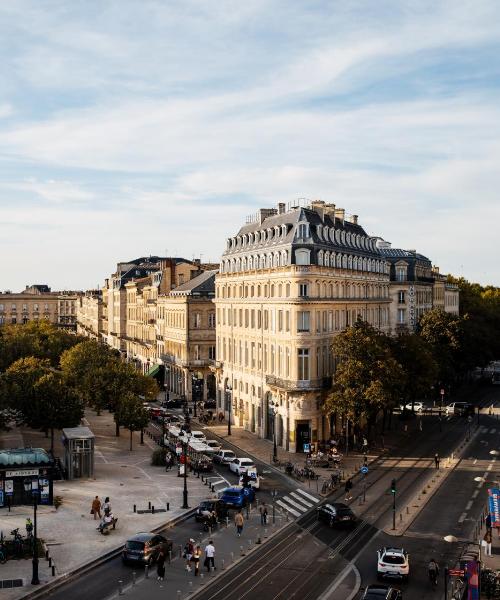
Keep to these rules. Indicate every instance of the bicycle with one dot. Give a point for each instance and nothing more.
(17, 543)
(3, 552)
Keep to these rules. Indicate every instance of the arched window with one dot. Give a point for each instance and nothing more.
(339, 260)
(287, 290)
(355, 263)
(344, 261)
(238, 264)
(250, 262)
(327, 259)
(333, 234)
(244, 263)
(323, 295)
(263, 261)
(320, 255)
(319, 231)
(349, 263)
(276, 259)
(330, 290)
(284, 258)
(302, 257)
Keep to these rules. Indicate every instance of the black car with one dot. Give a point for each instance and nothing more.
(209, 506)
(382, 592)
(174, 403)
(209, 404)
(143, 548)
(336, 514)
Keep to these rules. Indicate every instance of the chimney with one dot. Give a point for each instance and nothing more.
(340, 214)
(354, 219)
(264, 213)
(330, 211)
(281, 208)
(319, 207)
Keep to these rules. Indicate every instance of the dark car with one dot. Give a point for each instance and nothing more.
(382, 592)
(173, 403)
(237, 497)
(336, 514)
(143, 548)
(210, 404)
(209, 506)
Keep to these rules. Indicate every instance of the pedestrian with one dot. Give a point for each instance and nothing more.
(263, 513)
(487, 521)
(436, 460)
(239, 522)
(210, 556)
(106, 505)
(221, 417)
(188, 553)
(96, 508)
(160, 564)
(490, 411)
(196, 560)
(487, 542)
(348, 488)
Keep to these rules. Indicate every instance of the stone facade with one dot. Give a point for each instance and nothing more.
(89, 314)
(289, 281)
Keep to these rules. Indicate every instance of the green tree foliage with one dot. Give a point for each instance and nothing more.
(20, 380)
(368, 378)
(131, 414)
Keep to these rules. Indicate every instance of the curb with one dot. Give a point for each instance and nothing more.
(76, 572)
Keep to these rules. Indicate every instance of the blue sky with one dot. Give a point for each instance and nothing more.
(137, 127)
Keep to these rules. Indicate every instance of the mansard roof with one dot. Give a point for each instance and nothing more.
(398, 253)
(201, 285)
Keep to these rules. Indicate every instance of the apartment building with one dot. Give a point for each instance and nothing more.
(90, 320)
(289, 280)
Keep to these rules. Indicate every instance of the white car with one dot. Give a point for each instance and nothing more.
(198, 435)
(393, 563)
(224, 457)
(212, 446)
(417, 406)
(240, 465)
(254, 479)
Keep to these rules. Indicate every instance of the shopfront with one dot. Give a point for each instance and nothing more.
(23, 470)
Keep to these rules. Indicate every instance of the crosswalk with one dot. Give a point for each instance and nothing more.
(297, 502)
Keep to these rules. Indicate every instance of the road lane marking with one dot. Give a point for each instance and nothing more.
(475, 461)
(469, 504)
(300, 507)
(489, 467)
(493, 430)
(310, 496)
(462, 517)
(300, 499)
(474, 495)
(286, 507)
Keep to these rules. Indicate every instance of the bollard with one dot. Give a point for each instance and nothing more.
(212, 571)
(180, 551)
(120, 587)
(227, 521)
(190, 585)
(249, 544)
(146, 571)
(50, 562)
(135, 508)
(178, 594)
(232, 557)
(153, 510)
(223, 566)
(407, 510)
(134, 578)
(149, 505)
(259, 541)
(400, 517)
(168, 505)
(53, 570)
(265, 533)
(242, 552)
(202, 577)
(169, 557)
(46, 555)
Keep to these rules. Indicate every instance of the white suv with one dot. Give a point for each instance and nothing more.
(240, 465)
(393, 563)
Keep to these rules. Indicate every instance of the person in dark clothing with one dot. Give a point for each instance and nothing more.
(436, 460)
(160, 564)
(348, 488)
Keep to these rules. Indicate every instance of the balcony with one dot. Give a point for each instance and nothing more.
(170, 359)
(323, 383)
(199, 362)
(217, 364)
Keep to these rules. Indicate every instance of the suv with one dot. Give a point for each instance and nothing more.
(224, 457)
(460, 409)
(336, 514)
(382, 592)
(393, 563)
(237, 497)
(144, 547)
(240, 465)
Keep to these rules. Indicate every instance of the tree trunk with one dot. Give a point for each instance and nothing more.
(130, 440)
(384, 417)
(52, 440)
(117, 428)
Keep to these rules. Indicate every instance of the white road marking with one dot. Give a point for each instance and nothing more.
(300, 499)
(489, 467)
(301, 507)
(493, 430)
(474, 495)
(286, 507)
(461, 518)
(310, 496)
(469, 504)
(475, 461)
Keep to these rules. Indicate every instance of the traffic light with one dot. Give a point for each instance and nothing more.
(393, 486)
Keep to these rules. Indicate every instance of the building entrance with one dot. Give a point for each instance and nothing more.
(303, 435)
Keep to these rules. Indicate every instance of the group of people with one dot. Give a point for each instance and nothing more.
(193, 554)
(103, 511)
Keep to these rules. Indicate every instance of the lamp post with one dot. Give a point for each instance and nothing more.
(228, 392)
(274, 409)
(441, 393)
(185, 490)
(32, 485)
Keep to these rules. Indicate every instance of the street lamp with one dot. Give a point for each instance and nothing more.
(32, 486)
(274, 412)
(228, 392)
(185, 490)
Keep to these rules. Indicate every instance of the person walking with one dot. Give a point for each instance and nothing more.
(106, 505)
(263, 513)
(210, 556)
(188, 553)
(196, 560)
(96, 508)
(239, 521)
(487, 542)
(160, 564)
(348, 488)
(436, 460)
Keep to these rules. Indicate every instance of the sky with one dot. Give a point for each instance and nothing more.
(137, 127)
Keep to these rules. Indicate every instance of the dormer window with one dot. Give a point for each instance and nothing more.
(302, 257)
(401, 272)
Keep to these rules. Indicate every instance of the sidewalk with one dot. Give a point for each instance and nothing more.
(126, 477)
(229, 549)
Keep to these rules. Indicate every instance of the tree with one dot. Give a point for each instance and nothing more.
(55, 406)
(368, 378)
(19, 383)
(131, 414)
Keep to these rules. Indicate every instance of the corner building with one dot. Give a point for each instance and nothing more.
(289, 280)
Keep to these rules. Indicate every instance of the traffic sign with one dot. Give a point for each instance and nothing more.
(442, 392)
(364, 470)
(456, 572)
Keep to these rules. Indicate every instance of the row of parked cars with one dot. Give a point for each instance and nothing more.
(459, 409)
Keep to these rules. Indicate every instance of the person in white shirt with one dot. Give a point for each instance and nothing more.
(210, 556)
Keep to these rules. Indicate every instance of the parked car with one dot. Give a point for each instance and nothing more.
(143, 548)
(417, 406)
(198, 435)
(460, 409)
(237, 497)
(210, 404)
(379, 591)
(251, 477)
(393, 563)
(240, 465)
(207, 506)
(212, 446)
(224, 457)
(177, 403)
(336, 513)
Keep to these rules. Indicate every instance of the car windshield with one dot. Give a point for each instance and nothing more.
(394, 560)
(131, 545)
(232, 493)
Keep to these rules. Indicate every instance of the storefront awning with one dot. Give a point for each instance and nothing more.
(153, 371)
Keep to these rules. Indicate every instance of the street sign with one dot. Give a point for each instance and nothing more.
(364, 470)
(456, 572)
(442, 392)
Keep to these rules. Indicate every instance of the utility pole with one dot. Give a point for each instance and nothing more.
(393, 490)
